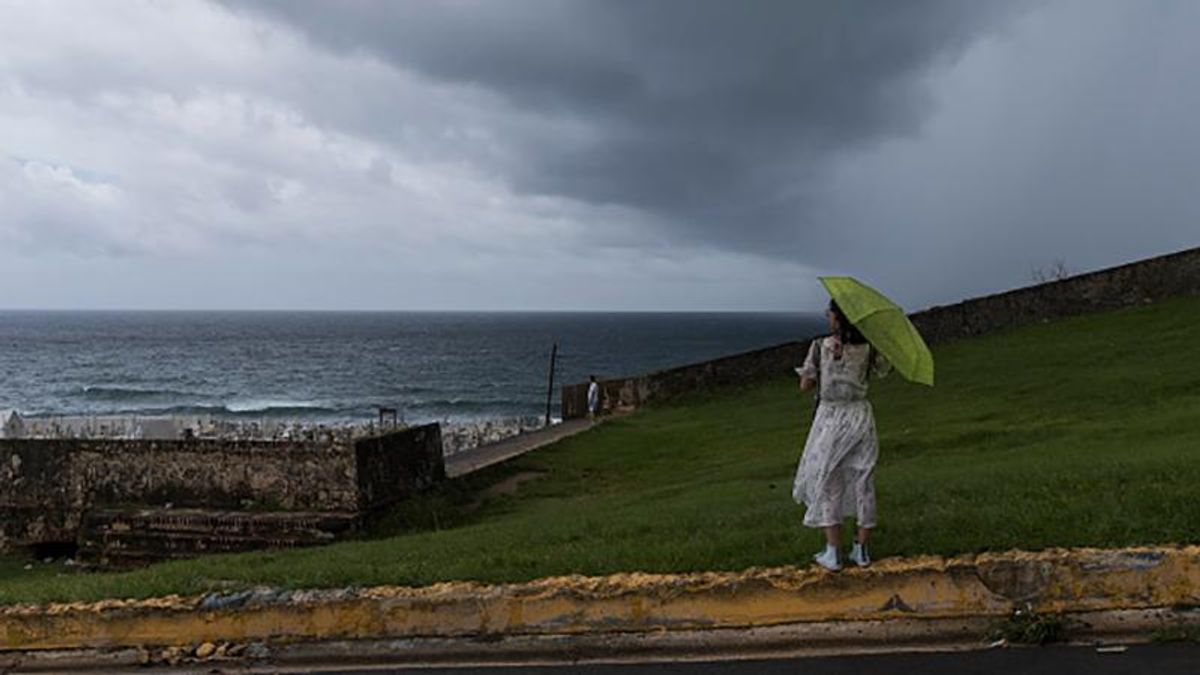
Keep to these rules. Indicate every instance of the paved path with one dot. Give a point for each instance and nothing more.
(465, 462)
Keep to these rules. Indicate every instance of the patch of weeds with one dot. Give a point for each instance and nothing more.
(444, 506)
(1179, 633)
(1026, 627)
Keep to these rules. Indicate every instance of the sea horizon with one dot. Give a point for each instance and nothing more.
(342, 365)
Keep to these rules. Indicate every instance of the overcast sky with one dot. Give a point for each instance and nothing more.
(606, 154)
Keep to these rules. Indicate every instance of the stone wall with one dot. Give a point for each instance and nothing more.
(1137, 283)
(41, 497)
(633, 392)
(395, 466)
(215, 474)
(49, 489)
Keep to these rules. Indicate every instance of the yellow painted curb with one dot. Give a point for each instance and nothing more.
(1054, 581)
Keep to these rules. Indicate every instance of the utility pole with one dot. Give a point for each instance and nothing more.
(550, 386)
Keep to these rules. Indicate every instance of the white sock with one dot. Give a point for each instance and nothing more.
(831, 551)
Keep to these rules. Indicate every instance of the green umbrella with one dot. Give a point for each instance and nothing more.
(885, 325)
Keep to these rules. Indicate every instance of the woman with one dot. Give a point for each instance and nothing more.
(836, 476)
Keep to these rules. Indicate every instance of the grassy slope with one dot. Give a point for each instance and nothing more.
(1082, 432)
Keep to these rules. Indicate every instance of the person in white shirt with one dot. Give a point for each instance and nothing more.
(836, 475)
(593, 397)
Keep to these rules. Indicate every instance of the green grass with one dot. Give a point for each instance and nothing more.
(1080, 432)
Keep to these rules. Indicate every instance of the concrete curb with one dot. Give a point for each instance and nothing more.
(926, 600)
(801, 640)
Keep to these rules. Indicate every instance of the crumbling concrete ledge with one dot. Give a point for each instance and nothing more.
(897, 599)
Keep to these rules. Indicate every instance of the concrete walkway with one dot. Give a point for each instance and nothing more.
(468, 461)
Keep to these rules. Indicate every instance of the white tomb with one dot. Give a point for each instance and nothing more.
(12, 425)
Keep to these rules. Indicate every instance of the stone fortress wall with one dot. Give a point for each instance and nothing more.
(124, 500)
(1141, 282)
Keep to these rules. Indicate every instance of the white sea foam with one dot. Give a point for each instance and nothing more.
(265, 405)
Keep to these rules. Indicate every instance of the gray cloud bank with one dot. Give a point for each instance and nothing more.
(713, 116)
(584, 154)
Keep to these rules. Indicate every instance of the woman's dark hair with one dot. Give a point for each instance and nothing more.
(846, 331)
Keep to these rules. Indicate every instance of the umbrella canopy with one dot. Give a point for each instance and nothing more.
(885, 325)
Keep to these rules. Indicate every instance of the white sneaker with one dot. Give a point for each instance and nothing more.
(828, 560)
(859, 555)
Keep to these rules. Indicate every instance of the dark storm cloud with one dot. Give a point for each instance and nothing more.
(715, 117)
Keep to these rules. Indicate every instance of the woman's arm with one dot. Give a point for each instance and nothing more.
(811, 369)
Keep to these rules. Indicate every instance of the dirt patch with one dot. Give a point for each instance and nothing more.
(509, 486)
(505, 488)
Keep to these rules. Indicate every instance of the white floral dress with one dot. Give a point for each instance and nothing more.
(836, 476)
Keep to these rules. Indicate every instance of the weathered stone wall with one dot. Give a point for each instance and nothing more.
(48, 488)
(214, 474)
(40, 496)
(394, 466)
(1141, 282)
(632, 392)
(1138, 283)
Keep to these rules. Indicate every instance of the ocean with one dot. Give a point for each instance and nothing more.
(342, 366)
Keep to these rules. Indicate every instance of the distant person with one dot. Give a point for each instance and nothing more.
(836, 476)
(593, 397)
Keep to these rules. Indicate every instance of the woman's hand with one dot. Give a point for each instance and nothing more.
(807, 384)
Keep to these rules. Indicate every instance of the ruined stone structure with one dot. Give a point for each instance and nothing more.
(125, 501)
(1137, 283)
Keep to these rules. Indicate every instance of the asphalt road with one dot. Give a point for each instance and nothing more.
(1139, 660)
